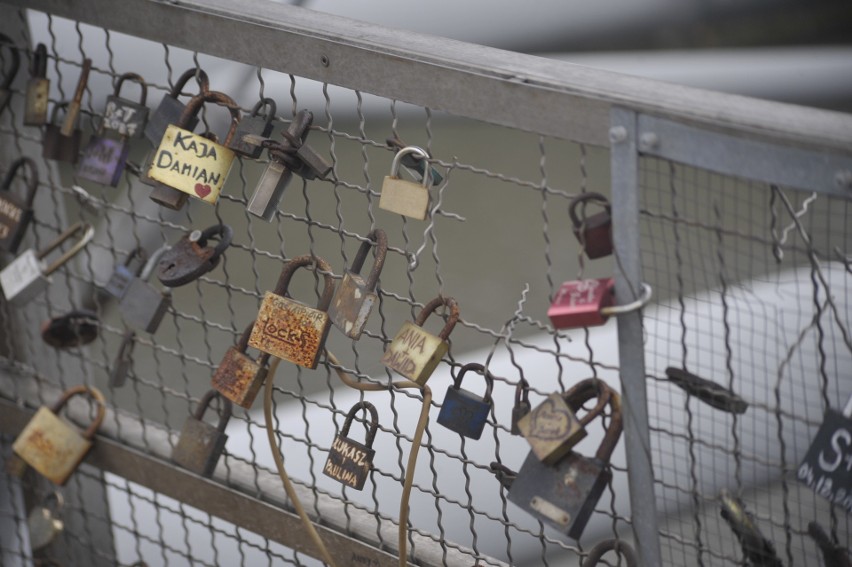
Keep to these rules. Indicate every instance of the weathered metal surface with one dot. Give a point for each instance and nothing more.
(123, 116)
(758, 549)
(170, 109)
(551, 429)
(256, 124)
(290, 330)
(38, 88)
(465, 412)
(522, 404)
(352, 305)
(239, 377)
(103, 160)
(55, 145)
(415, 353)
(404, 197)
(707, 391)
(24, 278)
(51, 446)
(593, 232)
(144, 306)
(72, 115)
(578, 303)
(191, 257)
(200, 444)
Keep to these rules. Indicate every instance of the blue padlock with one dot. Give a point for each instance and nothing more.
(465, 412)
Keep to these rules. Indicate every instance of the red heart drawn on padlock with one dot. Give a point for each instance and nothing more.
(202, 190)
(549, 421)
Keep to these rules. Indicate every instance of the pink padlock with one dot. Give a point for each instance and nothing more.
(578, 303)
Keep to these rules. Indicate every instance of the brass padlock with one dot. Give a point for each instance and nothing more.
(349, 462)
(170, 108)
(254, 124)
(552, 428)
(200, 444)
(75, 328)
(126, 117)
(354, 299)
(51, 446)
(69, 125)
(27, 275)
(522, 404)
(291, 330)
(595, 232)
(191, 163)
(16, 213)
(239, 377)
(143, 306)
(122, 276)
(38, 88)
(406, 197)
(414, 352)
(192, 256)
(55, 145)
(123, 361)
(465, 412)
(8, 76)
(43, 523)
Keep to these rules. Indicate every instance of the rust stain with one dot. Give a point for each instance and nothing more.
(290, 330)
(238, 378)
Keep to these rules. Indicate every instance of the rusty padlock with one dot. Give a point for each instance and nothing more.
(349, 462)
(239, 377)
(38, 88)
(595, 232)
(143, 307)
(170, 108)
(191, 257)
(123, 361)
(51, 446)
(552, 428)
(465, 412)
(414, 352)
(123, 116)
(578, 303)
(69, 125)
(255, 124)
(16, 213)
(75, 328)
(522, 404)
(200, 444)
(289, 329)
(8, 76)
(55, 145)
(404, 197)
(43, 522)
(354, 299)
(122, 276)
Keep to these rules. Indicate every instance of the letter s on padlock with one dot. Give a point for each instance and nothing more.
(406, 197)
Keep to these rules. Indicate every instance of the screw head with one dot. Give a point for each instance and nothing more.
(325, 60)
(617, 134)
(195, 236)
(648, 141)
(843, 179)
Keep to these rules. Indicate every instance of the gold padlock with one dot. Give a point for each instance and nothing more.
(404, 197)
(50, 445)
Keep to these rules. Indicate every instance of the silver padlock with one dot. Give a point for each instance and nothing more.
(123, 361)
(144, 306)
(43, 524)
(27, 275)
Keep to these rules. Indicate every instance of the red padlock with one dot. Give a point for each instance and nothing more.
(578, 303)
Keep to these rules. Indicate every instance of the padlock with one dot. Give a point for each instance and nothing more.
(522, 404)
(126, 117)
(404, 197)
(191, 163)
(564, 495)
(191, 257)
(290, 329)
(103, 159)
(144, 306)
(38, 88)
(256, 124)
(465, 412)
(161, 193)
(123, 361)
(413, 162)
(827, 466)
(415, 353)
(239, 377)
(305, 162)
(709, 392)
(8, 76)
(69, 125)
(595, 232)
(349, 462)
(552, 428)
(578, 303)
(51, 446)
(16, 213)
(57, 147)
(75, 328)
(833, 554)
(122, 276)
(758, 549)
(43, 522)
(27, 275)
(200, 444)
(170, 108)
(354, 299)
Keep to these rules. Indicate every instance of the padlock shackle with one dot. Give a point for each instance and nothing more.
(480, 369)
(374, 421)
(585, 390)
(242, 344)
(268, 103)
(304, 261)
(38, 63)
(618, 546)
(125, 350)
(136, 79)
(426, 182)
(225, 234)
(196, 102)
(88, 233)
(55, 111)
(430, 307)
(15, 64)
(140, 254)
(152, 261)
(583, 198)
(522, 392)
(32, 178)
(54, 496)
(226, 408)
(613, 432)
(187, 75)
(92, 392)
(378, 237)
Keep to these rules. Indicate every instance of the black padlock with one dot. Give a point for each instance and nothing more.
(57, 147)
(122, 276)
(191, 257)
(170, 109)
(465, 412)
(522, 404)
(707, 391)
(16, 213)
(73, 329)
(123, 116)
(594, 232)
(200, 444)
(8, 76)
(349, 462)
(123, 361)
(254, 124)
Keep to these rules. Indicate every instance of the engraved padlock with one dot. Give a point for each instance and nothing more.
(464, 412)
(405, 197)
(354, 299)
(122, 275)
(349, 462)
(170, 108)
(414, 352)
(53, 447)
(103, 159)
(564, 495)
(43, 522)
(16, 213)
(593, 232)
(200, 444)
(8, 75)
(76, 328)
(522, 404)
(289, 329)
(239, 377)
(27, 275)
(123, 361)
(553, 428)
(69, 125)
(190, 163)
(191, 257)
(123, 116)
(579, 303)
(38, 88)
(55, 145)
(256, 124)
(414, 162)
(143, 307)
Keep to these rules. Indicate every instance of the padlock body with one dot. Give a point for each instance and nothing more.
(290, 330)
(596, 235)
(827, 466)
(168, 112)
(24, 278)
(125, 117)
(192, 164)
(313, 164)
(144, 306)
(415, 353)
(238, 378)
(351, 305)
(349, 462)
(464, 412)
(42, 527)
(14, 219)
(118, 373)
(119, 281)
(103, 160)
(199, 447)
(404, 198)
(57, 147)
(270, 189)
(518, 412)
(35, 109)
(256, 125)
(551, 429)
(578, 303)
(564, 495)
(185, 262)
(51, 446)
